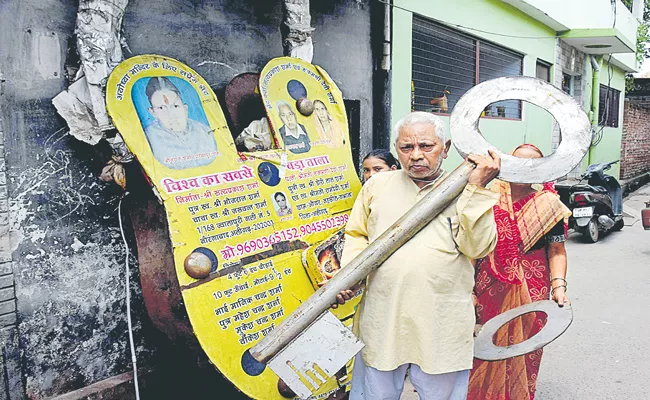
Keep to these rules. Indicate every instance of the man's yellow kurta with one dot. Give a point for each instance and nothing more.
(417, 306)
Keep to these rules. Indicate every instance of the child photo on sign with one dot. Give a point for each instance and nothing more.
(174, 122)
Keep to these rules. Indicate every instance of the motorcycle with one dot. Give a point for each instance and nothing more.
(598, 205)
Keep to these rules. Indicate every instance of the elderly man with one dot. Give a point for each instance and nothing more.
(417, 310)
(293, 134)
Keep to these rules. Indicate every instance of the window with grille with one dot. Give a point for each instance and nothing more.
(447, 63)
(567, 83)
(608, 106)
(543, 71)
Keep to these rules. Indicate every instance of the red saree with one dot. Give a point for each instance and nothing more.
(516, 273)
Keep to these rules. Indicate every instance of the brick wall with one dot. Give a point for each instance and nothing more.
(635, 147)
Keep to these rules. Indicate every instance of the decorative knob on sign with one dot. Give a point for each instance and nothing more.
(305, 106)
(200, 263)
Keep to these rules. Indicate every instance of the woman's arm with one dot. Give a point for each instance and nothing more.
(557, 262)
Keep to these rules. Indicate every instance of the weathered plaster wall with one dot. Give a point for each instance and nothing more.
(221, 39)
(66, 254)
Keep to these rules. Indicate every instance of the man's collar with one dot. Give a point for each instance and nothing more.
(293, 134)
(184, 133)
(442, 174)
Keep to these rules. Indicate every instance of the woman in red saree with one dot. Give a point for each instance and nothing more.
(528, 264)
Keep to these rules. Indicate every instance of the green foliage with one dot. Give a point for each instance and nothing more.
(642, 40)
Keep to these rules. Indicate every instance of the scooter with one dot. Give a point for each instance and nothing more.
(597, 206)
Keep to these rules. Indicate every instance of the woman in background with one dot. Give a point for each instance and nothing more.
(529, 264)
(379, 160)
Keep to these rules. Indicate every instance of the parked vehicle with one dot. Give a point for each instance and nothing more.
(598, 205)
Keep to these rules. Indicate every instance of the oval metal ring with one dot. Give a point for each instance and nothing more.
(574, 127)
(558, 321)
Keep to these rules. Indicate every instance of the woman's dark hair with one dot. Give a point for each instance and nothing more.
(384, 155)
(275, 196)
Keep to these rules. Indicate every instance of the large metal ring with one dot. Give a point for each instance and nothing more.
(557, 322)
(574, 126)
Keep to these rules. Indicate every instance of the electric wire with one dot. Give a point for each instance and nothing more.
(128, 301)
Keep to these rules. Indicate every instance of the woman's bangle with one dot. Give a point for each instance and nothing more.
(556, 288)
(561, 279)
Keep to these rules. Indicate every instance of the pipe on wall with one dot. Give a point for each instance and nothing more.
(596, 65)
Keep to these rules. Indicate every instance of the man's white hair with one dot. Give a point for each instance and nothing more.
(421, 117)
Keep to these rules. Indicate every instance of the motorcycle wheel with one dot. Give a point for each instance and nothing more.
(591, 232)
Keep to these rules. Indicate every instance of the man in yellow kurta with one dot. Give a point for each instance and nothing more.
(417, 310)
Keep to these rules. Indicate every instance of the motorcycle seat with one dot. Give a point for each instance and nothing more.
(588, 188)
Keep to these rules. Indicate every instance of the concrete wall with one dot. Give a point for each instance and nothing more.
(635, 151)
(591, 14)
(575, 63)
(66, 253)
(67, 258)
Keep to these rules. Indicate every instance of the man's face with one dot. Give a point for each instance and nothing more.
(288, 117)
(168, 108)
(420, 151)
(282, 202)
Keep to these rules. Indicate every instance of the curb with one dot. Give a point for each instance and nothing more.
(632, 184)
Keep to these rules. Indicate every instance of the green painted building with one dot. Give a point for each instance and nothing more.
(440, 49)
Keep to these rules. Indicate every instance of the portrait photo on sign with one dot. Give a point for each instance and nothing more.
(294, 135)
(174, 122)
(281, 203)
(329, 130)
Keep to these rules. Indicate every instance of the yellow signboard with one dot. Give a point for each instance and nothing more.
(245, 227)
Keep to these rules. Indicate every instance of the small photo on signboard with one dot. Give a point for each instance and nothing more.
(329, 130)
(294, 135)
(281, 204)
(174, 122)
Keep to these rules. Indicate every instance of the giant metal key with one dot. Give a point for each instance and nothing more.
(311, 345)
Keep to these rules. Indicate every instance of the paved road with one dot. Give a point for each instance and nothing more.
(604, 354)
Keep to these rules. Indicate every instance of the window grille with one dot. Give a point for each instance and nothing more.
(608, 106)
(447, 63)
(543, 71)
